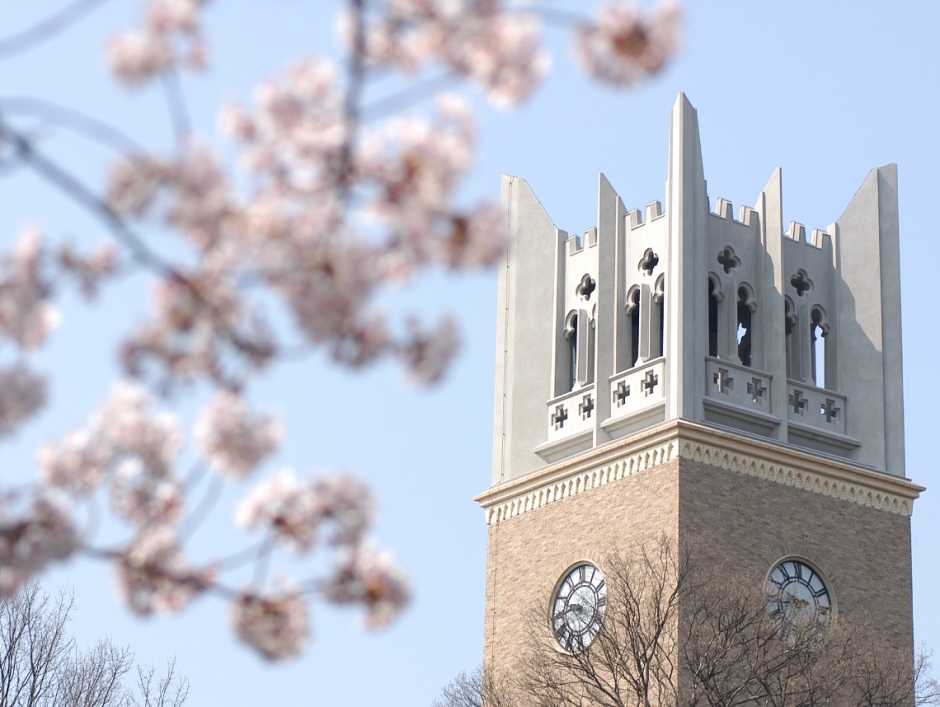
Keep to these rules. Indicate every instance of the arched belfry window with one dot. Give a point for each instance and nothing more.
(633, 307)
(818, 329)
(714, 297)
(590, 348)
(745, 330)
(793, 347)
(571, 335)
(659, 316)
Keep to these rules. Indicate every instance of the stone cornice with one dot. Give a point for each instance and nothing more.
(761, 458)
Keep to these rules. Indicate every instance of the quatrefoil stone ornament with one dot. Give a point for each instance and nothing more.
(728, 260)
(586, 287)
(801, 283)
(649, 262)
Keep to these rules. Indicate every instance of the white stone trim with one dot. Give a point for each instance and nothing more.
(759, 458)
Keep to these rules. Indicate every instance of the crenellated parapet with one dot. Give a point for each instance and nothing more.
(678, 311)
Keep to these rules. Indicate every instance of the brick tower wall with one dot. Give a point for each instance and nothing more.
(746, 522)
(865, 553)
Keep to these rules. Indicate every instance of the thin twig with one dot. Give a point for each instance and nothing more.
(240, 558)
(263, 561)
(176, 105)
(397, 101)
(195, 475)
(555, 16)
(80, 123)
(47, 28)
(201, 512)
(356, 71)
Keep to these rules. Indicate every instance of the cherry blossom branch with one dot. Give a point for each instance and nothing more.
(47, 28)
(336, 211)
(189, 526)
(176, 105)
(354, 78)
(558, 17)
(396, 102)
(74, 188)
(241, 558)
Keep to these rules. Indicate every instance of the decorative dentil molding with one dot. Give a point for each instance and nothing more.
(779, 463)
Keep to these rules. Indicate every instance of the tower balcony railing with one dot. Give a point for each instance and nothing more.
(738, 396)
(637, 397)
(817, 418)
(572, 413)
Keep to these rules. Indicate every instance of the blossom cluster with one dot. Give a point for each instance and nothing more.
(292, 512)
(31, 540)
(170, 37)
(623, 46)
(131, 451)
(494, 46)
(26, 313)
(132, 448)
(233, 439)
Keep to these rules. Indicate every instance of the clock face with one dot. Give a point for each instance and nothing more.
(578, 607)
(797, 594)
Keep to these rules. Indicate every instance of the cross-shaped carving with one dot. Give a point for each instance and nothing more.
(586, 406)
(586, 287)
(829, 410)
(756, 390)
(801, 283)
(724, 381)
(559, 417)
(650, 261)
(621, 393)
(649, 382)
(727, 260)
(798, 401)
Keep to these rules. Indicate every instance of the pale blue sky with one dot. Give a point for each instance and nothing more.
(826, 90)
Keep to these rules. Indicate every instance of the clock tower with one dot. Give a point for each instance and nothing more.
(686, 370)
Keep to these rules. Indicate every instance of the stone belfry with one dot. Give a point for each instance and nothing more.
(688, 371)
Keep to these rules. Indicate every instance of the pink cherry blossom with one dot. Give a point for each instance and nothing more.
(77, 464)
(293, 510)
(275, 624)
(22, 395)
(234, 439)
(428, 352)
(286, 507)
(167, 16)
(153, 575)
(126, 422)
(136, 446)
(133, 181)
(498, 49)
(90, 269)
(170, 36)
(624, 46)
(136, 57)
(504, 57)
(45, 533)
(372, 578)
(348, 503)
(144, 497)
(200, 206)
(26, 316)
